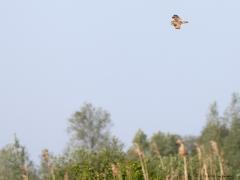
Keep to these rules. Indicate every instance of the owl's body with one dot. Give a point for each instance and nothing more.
(177, 22)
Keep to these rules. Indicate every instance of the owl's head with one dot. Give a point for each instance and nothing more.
(175, 16)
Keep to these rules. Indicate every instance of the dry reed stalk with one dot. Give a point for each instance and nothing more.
(116, 171)
(142, 161)
(167, 177)
(45, 155)
(199, 153)
(205, 171)
(185, 168)
(145, 166)
(66, 176)
(25, 177)
(182, 151)
(213, 167)
(210, 164)
(156, 150)
(204, 163)
(24, 173)
(216, 151)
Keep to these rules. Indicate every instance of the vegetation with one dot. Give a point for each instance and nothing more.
(95, 154)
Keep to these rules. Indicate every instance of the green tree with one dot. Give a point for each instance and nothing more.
(15, 163)
(140, 138)
(215, 129)
(165, 144)
(90, 127)
(232, 142)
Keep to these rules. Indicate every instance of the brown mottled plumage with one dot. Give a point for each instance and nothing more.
(177, 22)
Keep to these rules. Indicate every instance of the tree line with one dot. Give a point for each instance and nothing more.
(94, 153)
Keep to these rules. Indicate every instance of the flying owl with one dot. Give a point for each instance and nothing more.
(177, 21)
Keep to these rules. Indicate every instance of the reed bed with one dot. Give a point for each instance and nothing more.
(197, 165)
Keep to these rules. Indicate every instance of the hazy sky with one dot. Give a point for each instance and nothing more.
(122, 55)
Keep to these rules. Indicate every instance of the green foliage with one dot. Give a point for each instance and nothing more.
(14, 162)
(215, 129)
(141, 139)
(86, 164)
(232, 142)
(165, 144)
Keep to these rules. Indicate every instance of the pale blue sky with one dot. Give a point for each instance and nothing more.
(121, 55)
